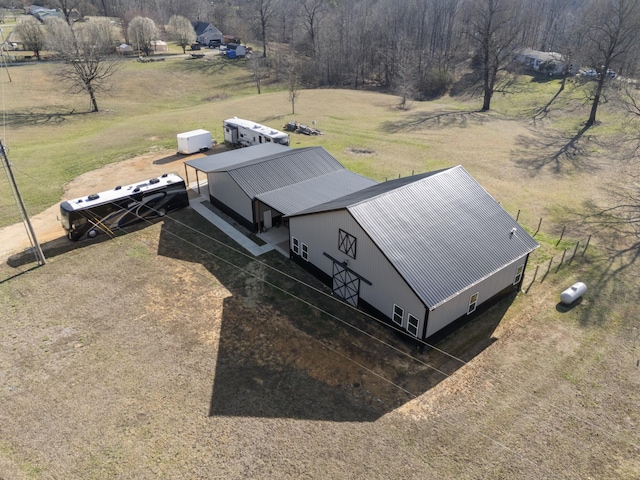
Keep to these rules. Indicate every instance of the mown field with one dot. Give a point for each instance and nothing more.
(164, 354)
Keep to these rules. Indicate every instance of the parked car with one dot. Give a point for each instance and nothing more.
(611, 73)
(589, 73)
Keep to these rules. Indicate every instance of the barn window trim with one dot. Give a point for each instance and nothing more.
(304, 251)
(473, 302)
(347, 243)
(518, 276)
(398, 313)
(295, 245)
(413, 325)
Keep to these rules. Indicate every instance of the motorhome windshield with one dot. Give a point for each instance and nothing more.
(64, 216)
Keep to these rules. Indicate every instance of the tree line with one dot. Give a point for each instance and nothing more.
(414, 48)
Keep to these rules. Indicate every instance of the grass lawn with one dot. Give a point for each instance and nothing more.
(164, 354)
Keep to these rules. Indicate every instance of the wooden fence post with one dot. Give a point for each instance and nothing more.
(575, 250)
(561, 260)
(539, 224)
(547, 272)
(535, 274)
(561, 235)
(518, 215)
(585, 247)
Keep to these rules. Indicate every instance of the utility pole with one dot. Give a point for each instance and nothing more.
(23, 211)
(6, 67)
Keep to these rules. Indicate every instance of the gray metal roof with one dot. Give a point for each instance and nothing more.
(317, 190)
(441, 231)
(365, 194)
(283, 169)
(232, 158)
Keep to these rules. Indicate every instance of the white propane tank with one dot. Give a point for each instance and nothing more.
(573, 293)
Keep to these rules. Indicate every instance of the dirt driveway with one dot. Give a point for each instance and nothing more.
(13, 239)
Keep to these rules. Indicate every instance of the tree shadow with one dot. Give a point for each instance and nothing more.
(554, 151)
(614, 273)
(440, 119)
(542, 112)
(38, 117)
(288, 351)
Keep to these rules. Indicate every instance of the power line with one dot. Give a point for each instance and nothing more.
(298, 298)
(253, 259)
(411, 394)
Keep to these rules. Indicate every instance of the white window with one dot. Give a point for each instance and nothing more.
(519, 271)
(305, 251)
(398, 315)
(473, 300)
(412, 325)
(295, 245)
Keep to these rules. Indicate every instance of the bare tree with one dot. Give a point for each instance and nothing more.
(264, 14)
(611, 31)
(181, 31)
(67, 7)
(256, 64)
(32, 35)
(141, 32)
(405, 72)
(494, 27)
(313, 11)
(294, 86)
(87, 54)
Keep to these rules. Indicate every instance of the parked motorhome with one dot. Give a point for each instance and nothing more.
(122, 206)
(245, 133)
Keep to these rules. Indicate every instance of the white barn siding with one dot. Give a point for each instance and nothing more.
(224, 189)
(320, 232)
(458, 306)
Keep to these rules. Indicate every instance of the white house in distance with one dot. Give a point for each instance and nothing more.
(207, 34)
(552, 63)
(424, 253)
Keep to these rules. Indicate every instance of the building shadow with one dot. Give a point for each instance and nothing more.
(62, 245)
(287, 350)
(169, 159)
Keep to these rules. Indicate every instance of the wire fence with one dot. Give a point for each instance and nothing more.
(559, 257)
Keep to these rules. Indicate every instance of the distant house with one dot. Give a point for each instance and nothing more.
(159, 46)
(421, 252)
(231, 39)
(125, 49)
(551, 63)
(207, 34)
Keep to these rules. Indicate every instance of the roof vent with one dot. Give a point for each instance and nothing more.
(513, 231)
(118, 187)
(153, 180)
(164, 175)
(93, 196)
(136, 190)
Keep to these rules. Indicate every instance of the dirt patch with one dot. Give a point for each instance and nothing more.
(359, 152)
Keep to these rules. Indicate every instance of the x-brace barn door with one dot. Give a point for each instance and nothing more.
(345, 284)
